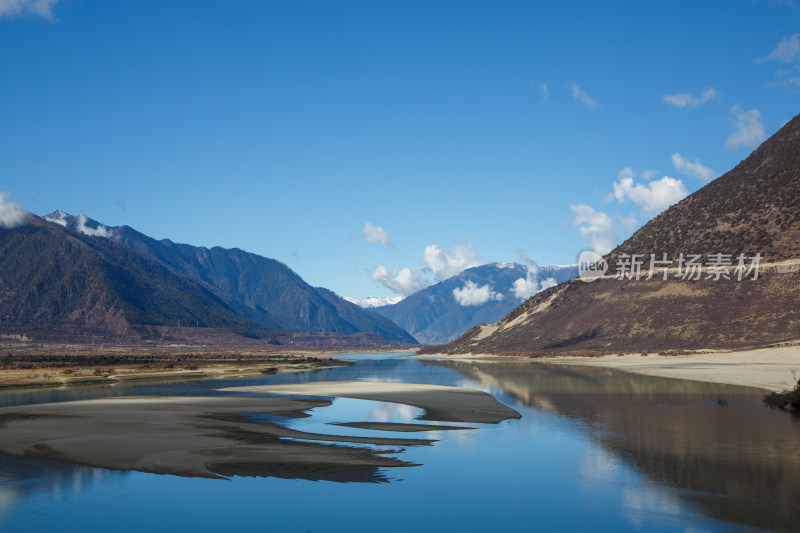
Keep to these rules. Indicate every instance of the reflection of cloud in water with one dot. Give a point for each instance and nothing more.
(599, 465)
(21, 479)
(642, 502)
(8, 497)
(395, 412)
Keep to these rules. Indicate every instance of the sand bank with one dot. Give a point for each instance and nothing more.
(773, 369)
(212, 437)
(445, 404)
(193, 436)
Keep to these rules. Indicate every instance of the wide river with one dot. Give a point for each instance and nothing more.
(595, 450)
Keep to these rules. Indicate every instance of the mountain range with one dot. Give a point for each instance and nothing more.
(750, 215)
(81, 275)
(440, 313)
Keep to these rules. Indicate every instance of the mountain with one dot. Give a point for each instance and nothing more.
(261, 289)
(371, 301)
(440, 313)
(57, 279)
(753, 209)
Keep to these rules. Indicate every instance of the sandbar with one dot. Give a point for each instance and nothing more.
(190, 436)
(441, 403)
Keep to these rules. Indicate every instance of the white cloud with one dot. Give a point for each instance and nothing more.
(545, 91)
(42, 8)
(376, 234)
(446, 264)
(99, 231)
(402, 281)
(787, 51)
(652, 197)
(690, 101)
(473, 294)
(694, 169)
(11, 215)
(581, 96)
(524, 288)
(596, 226)
(440, 264)
(748, 131)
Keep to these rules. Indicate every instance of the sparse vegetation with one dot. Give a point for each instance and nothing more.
(788, 400)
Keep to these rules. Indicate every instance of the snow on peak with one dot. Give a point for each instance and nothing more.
(81, 223)
(373, 301)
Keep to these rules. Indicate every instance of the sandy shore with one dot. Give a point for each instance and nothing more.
(773, 369)
(445, 404)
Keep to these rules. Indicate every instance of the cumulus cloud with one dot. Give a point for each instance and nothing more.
(473, 294)
(41, 8)
(400, 280)
(690, 101)
(524, 288)
(581, 96)
(653, 197)
(377, 234)
(787, 51)
(596, 226)
(11, 215)
(440, 264)
(748, 131)
(445, 264)
(694, 169)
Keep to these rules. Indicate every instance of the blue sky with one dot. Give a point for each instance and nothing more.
(462, 132)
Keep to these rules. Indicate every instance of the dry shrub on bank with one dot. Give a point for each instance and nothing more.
(788, 400)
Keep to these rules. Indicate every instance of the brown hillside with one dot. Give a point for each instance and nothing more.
(753, 208)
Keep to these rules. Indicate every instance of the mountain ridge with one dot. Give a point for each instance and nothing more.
(263, 295)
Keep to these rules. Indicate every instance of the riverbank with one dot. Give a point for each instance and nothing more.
(771, 369)
(62, 365)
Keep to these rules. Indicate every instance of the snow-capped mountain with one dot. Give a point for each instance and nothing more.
(483, 294)
(80, 223)
(373, 301)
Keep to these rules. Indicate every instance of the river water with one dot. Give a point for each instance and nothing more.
(595, 450)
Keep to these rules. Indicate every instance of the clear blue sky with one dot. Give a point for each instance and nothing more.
(484, 128)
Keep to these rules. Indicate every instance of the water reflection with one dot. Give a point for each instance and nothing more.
(737, 462)
(25, 478)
